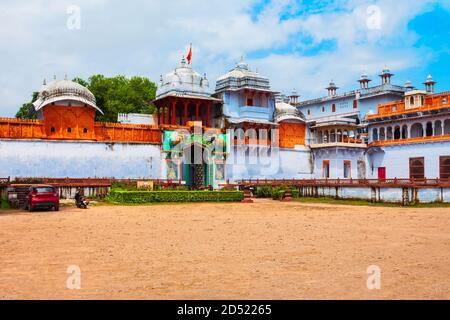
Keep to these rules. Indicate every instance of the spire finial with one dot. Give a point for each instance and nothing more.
(65, 76)
(54, 77)
(45, 82)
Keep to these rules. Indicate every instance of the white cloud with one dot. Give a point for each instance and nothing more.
(148, 38)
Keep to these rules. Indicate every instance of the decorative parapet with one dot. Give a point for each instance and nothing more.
(398, 108)
(383, 143)
(11, 128)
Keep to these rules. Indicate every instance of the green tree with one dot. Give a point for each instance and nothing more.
(122, 95)
(27, 111)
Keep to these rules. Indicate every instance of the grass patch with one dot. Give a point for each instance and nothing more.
(355, 202)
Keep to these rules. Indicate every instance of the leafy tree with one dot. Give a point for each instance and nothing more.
(26, 111)
(122, 95)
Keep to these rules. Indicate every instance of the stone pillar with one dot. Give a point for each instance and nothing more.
(174, 112)
(208, 115)
(159, 115)
(185, 112)
(168, 115)
(197, 105)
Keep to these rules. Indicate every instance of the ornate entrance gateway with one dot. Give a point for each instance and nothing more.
(196, 169)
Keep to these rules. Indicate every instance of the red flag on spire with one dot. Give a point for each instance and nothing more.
(189, 56)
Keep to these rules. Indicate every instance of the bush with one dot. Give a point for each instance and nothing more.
(264, 192)
(4, 204)
(142, 197)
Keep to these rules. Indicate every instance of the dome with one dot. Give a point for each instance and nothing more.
(284, 111)
(183, 80)
(59, 90)
(430, 79)
(408, 84)
(242, 77)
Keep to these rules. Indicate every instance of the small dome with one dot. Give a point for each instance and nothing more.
(430, 80)
(332, 85)
(284, 111)
(59, 90)
(408, 84)
(183, 80)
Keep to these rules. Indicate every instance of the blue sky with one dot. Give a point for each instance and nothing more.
(297, 44)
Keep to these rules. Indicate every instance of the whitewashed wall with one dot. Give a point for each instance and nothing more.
(56, 159)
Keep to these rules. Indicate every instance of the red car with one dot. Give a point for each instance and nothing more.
(43, 197)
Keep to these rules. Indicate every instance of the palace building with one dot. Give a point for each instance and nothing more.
(242, 129)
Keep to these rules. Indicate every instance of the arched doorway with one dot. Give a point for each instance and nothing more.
(196, 166)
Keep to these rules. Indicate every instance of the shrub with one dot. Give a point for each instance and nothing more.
(142, 197)
(264, 192)
(4, 204)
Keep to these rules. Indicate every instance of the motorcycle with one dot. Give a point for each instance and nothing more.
(81, 202)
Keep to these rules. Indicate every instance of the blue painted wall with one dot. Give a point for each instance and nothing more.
(396, 159)
(235, 107)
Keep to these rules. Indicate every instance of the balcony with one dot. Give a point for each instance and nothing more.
(339, 144)
(381, 143)
(260, 113)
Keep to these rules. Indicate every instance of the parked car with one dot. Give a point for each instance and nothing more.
(42, 197)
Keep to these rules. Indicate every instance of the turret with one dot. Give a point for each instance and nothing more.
(332, 89)
(429, 84)
(364, 81)
(386, 76)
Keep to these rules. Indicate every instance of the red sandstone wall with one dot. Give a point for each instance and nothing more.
(292, 134)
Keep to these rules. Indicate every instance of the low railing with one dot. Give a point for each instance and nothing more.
(90, 182)
(4, 182)
(344, 182)
(380, 143)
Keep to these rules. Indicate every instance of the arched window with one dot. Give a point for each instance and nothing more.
(417, 168)
(333, 136)
(405, 132)
(85, 130)
(411, 101)
(397, 133)
(429, 130)
(345, 137)
(389, 134)
(52, 129)
(382, 134)
(69, 130)
(447, 126)
(339, 135)
(326, 137)
(417, 130)
(438, 128)
(375, 134)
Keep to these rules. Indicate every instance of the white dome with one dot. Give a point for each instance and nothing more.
(284, 111)
(59, 90)
(183, 80)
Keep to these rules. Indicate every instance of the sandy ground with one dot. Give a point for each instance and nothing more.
(266, 250)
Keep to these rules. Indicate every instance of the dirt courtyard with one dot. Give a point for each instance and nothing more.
(265, 250)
